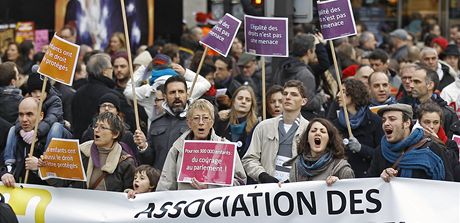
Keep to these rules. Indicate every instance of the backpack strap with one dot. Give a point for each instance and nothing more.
(123, 157)
(416, 145)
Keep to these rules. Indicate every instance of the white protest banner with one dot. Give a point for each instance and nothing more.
(356, 200)
(209, 162)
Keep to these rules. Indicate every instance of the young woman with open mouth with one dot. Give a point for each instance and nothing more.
(320, 155)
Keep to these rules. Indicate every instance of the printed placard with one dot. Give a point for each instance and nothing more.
(25, 31)
(266, 36)
(456, 138)
(60, 60)
(221, 37)
(62, 160)
(209, 162)
(336, 19)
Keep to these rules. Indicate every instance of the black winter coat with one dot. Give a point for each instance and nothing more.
(223, 130)
(86, 102)
(369, 134)
(10, 97)
(22, 151)
(163, 132)
(379, 163)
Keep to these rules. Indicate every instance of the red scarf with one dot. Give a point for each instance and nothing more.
(442, 135)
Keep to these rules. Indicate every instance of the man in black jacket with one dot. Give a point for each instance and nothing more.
(10, 95)
(405, 152)
(424, 83)
(429, 57)
(17, 160)
(166, 128)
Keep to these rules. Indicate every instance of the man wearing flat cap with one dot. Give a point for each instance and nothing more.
(251, 74)
(408, 153)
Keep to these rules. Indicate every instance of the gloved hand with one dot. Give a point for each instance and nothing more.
(266, 178)
(354, 145)
(27, 136)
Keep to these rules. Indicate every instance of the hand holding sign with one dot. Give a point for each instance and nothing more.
(62, 160)
(60, 60)
(266, 36)
(336, 19)
(207, 162)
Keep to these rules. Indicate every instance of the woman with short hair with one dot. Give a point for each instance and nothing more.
(200, 119)
(107, 166)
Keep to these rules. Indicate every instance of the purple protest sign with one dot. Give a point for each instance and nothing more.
(336, 19)
(266, 36)
(220, 38)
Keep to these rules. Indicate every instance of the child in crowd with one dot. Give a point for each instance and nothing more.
(145, 180)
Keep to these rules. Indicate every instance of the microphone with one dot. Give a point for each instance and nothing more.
(35, 68)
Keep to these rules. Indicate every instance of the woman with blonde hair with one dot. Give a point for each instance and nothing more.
(241, 119)
(117, 43)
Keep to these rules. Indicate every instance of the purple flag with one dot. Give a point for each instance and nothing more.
(266, 36)
(336, 19)
(220, 38)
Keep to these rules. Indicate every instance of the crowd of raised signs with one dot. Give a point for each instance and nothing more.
(401, 94)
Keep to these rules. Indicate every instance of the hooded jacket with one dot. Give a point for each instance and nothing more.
(10, 97)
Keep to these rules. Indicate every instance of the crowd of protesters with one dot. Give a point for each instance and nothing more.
(401, 96)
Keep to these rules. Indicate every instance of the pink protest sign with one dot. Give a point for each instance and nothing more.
(209, 162)
(456, 138)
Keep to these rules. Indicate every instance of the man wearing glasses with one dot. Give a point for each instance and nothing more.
(86, 100)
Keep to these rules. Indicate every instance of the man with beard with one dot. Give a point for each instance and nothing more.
(166, 128)
(121, 70)
(408, 153)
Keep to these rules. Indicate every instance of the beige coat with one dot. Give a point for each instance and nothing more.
(262, 151)
(171, 168)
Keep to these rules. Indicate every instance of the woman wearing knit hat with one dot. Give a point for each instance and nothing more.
(110, 102)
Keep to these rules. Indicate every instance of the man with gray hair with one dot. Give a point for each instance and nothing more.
(85, 102)
(429, 57)
(367, 41)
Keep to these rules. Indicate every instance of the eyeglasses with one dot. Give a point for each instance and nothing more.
(109, 106)
(100, 127)
(198, 119)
